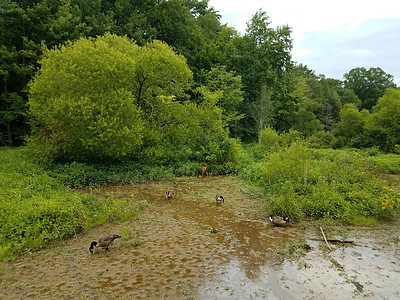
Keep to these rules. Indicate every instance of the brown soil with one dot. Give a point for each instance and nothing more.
(172, 253)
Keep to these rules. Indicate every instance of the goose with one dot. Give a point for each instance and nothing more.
(213, 230)
(219, 199)
(169, 195)
(104, 241)
(278, 220)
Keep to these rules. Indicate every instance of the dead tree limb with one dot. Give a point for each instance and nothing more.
(323, 234)
(334, 241)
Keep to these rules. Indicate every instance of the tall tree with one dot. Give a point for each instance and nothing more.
(304, 119)
(218, 79)
(368, 85)
(26, 27)
(350, 129)
(264, 59)
(330, 101)
(383, 126)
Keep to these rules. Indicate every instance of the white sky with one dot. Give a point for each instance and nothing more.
(330, 37)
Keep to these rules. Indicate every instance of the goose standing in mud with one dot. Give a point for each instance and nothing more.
(278, 220)
(213, 230)
(169, 195)
(219, 199)
(104, 241)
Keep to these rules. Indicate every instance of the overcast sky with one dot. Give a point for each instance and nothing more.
(330, 37)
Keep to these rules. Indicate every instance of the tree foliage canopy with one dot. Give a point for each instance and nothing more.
(383, 126)
(80, 101)
(368, 85)
(108, 98)
(253, 75)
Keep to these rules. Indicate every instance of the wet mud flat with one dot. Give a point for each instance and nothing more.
(190, 247)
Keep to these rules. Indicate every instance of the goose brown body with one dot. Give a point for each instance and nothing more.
(104, 241)
(213, 230)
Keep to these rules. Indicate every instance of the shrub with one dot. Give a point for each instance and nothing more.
(340, 184)
(322, 139)
(383, 126)
(36, 209)
(80, 106)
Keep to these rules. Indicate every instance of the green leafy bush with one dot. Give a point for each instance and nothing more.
(383, 125)
(36, 209)
(332, 184)
(106, 99)
(80, 106)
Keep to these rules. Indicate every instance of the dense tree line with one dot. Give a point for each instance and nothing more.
(245, 82)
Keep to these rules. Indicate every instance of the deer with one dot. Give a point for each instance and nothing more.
(203, 170)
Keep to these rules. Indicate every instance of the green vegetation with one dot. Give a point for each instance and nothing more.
(124, 91)
(249, 80)
(298, 181)
(302, 182)
(36, 209)
(133, 108)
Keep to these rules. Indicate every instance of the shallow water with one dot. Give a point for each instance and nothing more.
(171, 253)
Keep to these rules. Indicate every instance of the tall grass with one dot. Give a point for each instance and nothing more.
(37, 206)
(344, 185)
(37, 209)
(82, 175)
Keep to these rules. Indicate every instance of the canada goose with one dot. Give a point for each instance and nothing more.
(278, 220)
(104, 241)
(219, 199)
(169, 195)
(213, 230)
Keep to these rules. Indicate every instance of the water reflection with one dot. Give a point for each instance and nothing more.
(179, 258)
(251, 242)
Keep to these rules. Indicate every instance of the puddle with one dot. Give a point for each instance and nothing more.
(171, 253)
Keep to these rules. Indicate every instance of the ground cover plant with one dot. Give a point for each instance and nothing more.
(37, 206)
(37, 209)
(302, 182)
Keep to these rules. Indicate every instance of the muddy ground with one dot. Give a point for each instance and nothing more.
(171, 252)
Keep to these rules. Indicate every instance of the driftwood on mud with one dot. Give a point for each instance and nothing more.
(323, 234)
(334, 241)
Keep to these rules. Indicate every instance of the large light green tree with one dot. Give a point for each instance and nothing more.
(92, 98)
(81, 103)
(107, 98)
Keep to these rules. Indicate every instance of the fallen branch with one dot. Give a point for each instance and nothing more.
(335, 241)
(325, 239)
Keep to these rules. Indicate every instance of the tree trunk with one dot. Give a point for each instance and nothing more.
(8, 122)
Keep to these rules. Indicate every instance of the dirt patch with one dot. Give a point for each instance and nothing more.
(173, 252)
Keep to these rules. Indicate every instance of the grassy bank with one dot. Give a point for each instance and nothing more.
(346, 185)
(36, 208)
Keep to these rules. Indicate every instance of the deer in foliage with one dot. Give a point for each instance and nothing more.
(203, 170)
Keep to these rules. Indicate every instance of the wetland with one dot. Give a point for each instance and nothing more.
(190, 247)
